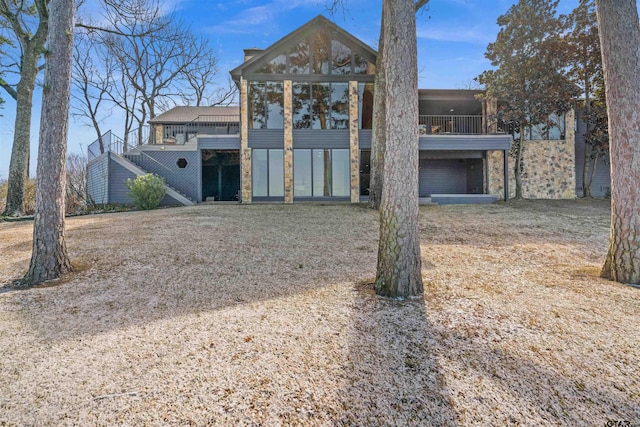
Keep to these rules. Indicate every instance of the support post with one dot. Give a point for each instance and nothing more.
(506, 175)
(288, 141)
(245, 151)
(353, 142)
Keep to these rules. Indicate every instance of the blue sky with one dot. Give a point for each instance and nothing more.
(452, 38)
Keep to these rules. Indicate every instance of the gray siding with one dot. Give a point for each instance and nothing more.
(451, 154)
(187, 180)
(219, 142)
(364, 139)
(465, 142)
(602, 180)
(320, 138)
(442, 177)
(98, 179)
(266, 138)
(118, 191)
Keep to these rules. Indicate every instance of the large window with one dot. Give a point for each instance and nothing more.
(321, 173)
(268, 173)
(266, 105)
(365, 105)
(320, 106)
(552, 129)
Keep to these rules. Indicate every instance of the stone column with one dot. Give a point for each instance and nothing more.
(288, 142)
(245, 151)
(353, 142)
(158, 134)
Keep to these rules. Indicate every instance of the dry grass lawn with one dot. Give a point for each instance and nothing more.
(261, 315)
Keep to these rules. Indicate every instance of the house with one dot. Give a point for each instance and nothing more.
(302, 132)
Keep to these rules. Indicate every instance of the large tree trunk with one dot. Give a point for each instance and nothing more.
(49, 259)
(399, 264)
(620, 41)
(378, 132)
(19, 164)
(31, 46)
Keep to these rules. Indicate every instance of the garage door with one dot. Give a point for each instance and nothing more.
(442, 176)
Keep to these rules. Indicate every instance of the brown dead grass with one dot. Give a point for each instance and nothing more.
(262, 315)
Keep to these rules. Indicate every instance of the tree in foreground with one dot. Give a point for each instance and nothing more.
(27, 24)
(49, 259)
(585, 71)
(620, 42)
(399, 270)
(529, 79)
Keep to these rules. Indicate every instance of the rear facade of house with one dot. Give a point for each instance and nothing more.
(302, 132)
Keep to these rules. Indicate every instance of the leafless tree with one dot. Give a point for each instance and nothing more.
(151, 60)
(92, 85)
(76, 189)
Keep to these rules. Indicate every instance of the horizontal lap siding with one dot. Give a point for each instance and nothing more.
(266, 138)
(186, 180)
(364, 139)
(118, 191)
(219, 143)
(320, 138)
(98, 180)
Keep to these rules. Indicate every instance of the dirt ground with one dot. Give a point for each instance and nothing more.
(261, 315)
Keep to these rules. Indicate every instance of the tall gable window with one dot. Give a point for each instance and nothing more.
(299, 58)
(340, 58)
(277, 65)
(320, 45)
(318, 54)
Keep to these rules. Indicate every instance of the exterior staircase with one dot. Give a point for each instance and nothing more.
(127, 161)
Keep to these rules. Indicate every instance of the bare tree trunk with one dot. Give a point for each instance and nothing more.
(399, 265)
(518, 168)
(19, 163)
(377, 134)
(31, 47)
(589, 158)
(620, 41)
(49, 259)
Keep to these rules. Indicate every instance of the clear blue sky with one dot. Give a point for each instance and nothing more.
(452, 39)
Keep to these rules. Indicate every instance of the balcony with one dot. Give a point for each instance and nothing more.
(202, 125)
(451, 125)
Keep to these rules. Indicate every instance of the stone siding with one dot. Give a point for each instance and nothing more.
(548, 168)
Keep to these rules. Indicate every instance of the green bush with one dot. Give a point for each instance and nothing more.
(146, 191)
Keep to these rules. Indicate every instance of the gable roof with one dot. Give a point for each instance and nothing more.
(317, 23)
(180, 115)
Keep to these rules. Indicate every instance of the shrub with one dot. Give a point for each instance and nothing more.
(146, 191)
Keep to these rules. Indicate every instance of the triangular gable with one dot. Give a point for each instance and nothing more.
(283, 46)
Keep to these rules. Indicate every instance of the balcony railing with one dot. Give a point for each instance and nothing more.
(454, 125)
(202, 125)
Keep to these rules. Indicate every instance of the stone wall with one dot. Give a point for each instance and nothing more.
(548, 168)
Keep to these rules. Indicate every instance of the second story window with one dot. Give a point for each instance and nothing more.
(320, 106)
(266, 105)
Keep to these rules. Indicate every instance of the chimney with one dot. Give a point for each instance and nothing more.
(251, 52)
